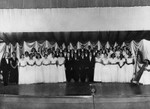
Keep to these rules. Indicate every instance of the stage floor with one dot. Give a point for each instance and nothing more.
(76, 89)
(75, 96)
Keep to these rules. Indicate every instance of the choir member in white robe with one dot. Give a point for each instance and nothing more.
(46, 69)
(26, 55)
(39, 69)
(129, 68)
(117, 53)
(121, 70)
(113, 68)
(61, 68)
(53, 69)
(31, 70)
(49, 56)
(97, 69)
(22, 70)
(106, 74)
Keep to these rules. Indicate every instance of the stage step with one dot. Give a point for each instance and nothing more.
(73, 102)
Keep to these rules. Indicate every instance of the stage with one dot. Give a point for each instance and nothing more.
(75, 96)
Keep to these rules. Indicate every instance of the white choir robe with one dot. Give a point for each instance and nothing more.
(61, 70)
(46, 70)
(53, 70)
(39, 71)
(22, 71)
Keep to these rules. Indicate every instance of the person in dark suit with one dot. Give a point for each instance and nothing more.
(72, 63)
(5, 68)
(91, 65)
(86, 64)
(14, 69)
(76, 68)
(82, 67)
(68, 67)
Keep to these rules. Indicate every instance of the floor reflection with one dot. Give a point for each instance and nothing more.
(76, 89)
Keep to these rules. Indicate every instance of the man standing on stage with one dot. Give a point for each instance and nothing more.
(91, 64)
(82, 64)
(14, 69)
(5, 68)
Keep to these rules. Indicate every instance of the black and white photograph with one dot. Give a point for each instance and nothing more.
(74, 54)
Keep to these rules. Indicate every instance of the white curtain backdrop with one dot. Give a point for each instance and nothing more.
(146, 49)
(3, 48)
(75, 19)
(143, 46)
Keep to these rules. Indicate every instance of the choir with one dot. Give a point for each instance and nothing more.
(113, 64)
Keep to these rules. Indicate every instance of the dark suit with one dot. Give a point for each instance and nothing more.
(91, 65)
(82, 71)
(86, 65)
(14, 75)
(68, 68)
(5, 68)
(76, 69)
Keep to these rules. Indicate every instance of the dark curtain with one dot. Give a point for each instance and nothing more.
(74, 37)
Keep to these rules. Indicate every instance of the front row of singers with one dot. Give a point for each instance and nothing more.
(41, 70)
(62, 69)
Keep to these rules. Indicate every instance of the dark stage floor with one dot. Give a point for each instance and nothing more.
(76, 89)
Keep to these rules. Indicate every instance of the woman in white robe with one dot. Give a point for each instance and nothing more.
(22, 70)
(46, 69)
(31, 70)
(113, 68)
(39, 70)
(61, 68)
(26, 56)
(106, 73)
(53, 69)
(129, 68)
(97, 69)
(122, 70)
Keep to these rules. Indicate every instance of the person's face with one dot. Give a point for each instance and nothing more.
(60, 55)
(105, 55)
(75, 55)
(45, 56)
(98, 55)
(31, 56)
(26, 54)
(110, 48)
(127, 51)
(22, 56)
(147, 62)
(90, 53)
(14, 55)
(113, 56)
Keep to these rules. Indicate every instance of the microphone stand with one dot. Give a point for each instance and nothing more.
(93, 91)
